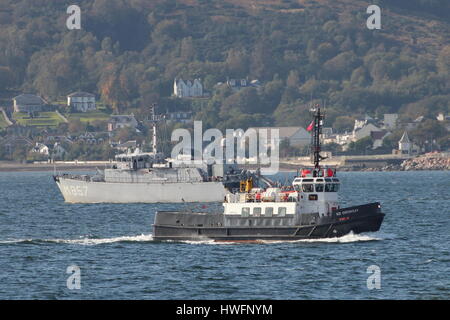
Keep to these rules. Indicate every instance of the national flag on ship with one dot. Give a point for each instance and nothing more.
(310, 127)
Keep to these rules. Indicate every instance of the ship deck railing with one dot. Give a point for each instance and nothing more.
(81, 177)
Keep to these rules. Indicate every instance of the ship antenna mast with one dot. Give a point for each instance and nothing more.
(154, 119)
(315, 139)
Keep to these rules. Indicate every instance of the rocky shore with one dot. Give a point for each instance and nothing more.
(429, 161)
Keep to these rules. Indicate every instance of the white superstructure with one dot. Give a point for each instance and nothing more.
(308, 194)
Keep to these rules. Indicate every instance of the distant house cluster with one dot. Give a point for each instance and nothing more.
(81, 101)
(56, 151)
(182, 89)
(366, 127)
(378, 131)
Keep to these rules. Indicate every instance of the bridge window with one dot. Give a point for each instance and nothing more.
(245, 212)
(331, 187)
(281, 211)
(257, 212)
(308, 187)
(268, 212)
(319, 187)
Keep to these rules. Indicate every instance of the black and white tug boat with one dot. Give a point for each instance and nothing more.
(307, 209)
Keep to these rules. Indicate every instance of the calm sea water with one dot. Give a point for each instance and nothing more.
(41, 236)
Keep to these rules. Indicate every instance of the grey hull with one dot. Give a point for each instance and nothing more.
(79, 191)
(220, 227)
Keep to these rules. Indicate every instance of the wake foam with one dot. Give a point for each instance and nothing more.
(84, 241)
(349, 238)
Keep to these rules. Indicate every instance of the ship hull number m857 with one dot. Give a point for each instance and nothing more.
(78, 191)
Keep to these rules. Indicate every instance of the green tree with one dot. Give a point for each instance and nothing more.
(362, 146)
(343, 123)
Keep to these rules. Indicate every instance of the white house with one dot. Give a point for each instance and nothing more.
(81, 101)
(343, 138)
(442, 117)
(40, 148)
(405, 146)
(186, 89)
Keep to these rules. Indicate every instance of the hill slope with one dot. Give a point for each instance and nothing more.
(129, 52)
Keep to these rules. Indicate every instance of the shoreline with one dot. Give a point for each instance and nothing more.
(60, 168)
(20, 167)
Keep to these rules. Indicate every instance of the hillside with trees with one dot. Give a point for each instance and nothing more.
(129, 52)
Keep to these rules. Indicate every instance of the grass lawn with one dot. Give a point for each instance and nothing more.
(43, 119)
(88, 116)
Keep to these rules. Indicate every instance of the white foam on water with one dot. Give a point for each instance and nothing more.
(86, 241)
(91, 241)
(349, 238)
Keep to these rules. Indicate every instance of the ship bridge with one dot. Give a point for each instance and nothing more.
(136, 160)
(316, 185)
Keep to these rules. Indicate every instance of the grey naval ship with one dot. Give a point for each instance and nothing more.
(141, 177)
(308, 208)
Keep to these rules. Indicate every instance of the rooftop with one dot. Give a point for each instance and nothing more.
(26, 98)
(81, 94)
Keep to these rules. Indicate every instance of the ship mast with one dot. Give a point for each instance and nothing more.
(315, 139)
(154, 119)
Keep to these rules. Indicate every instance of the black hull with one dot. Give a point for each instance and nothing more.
(196, 226)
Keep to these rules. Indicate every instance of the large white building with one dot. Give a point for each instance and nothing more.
(186, 89)
(81, 101)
